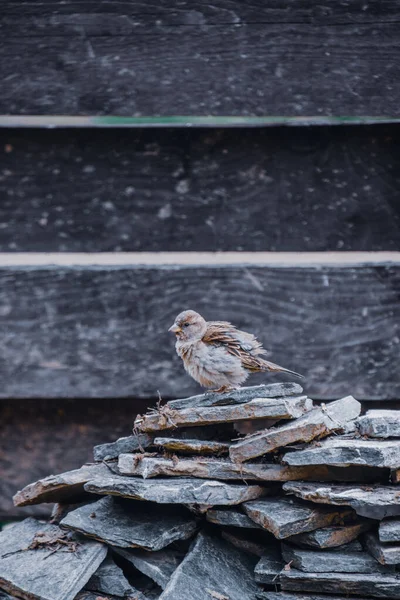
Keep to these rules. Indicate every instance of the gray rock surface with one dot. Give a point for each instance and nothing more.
(177, 491)
(230, 518)
(110, 579)
(202, 447)
(385, 554)
(212, 569)
(244, 541)
(40, 561)
(380, 424)
(285, 516)
(330, 537)
(131, 524)
(159, 565)
(389, 530)
(294, 596)
(318, 422)
(374, 502)
(269, 567)
(132, 443)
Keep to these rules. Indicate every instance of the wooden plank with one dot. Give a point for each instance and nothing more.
(94, 191)
(221, 58)
(102, 331)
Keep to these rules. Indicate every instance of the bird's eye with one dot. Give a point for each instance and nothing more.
(186, 324)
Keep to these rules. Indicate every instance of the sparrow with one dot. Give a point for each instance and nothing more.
(217, 354)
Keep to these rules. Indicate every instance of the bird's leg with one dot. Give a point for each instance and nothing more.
(223, 389)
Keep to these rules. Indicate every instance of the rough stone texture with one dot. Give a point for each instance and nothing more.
(380, 424)
(211, 567)
(284, 516)
(383, 553)
(343, 452)
(59, 488)
(319, 422)
(230, 518)
(330, 561)
(259, 408)
(374, 502)
(239, 396)
(329, 537)
(182, 446)
(110, 579)
(377, 585)
(130, 524)
(177, 491)
(244, 542)
(132, 443)
(270, 565)
(50, 570)
(289, 596)
(389, 530)
(159, 565)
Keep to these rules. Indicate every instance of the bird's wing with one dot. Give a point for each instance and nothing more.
(241, 344)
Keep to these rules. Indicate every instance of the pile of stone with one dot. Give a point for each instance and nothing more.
(252, 494)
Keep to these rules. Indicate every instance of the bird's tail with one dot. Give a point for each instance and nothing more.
(270, 366)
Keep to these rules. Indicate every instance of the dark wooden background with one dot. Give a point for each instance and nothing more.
(84, 343)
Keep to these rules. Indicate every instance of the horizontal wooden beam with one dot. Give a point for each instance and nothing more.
(280, 189)
(219, 58)
(101, 330)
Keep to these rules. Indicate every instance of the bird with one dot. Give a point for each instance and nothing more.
(216, 354)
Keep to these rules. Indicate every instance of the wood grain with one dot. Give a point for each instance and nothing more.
(308, 189)
(102, 332)
(224, 58)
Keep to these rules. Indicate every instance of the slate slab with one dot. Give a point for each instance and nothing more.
(389, 530)
(330, 561)
(285, 517)
(259, 408)
(158, 565)
(211, 567)
(330, 537)
(239, 396)
(202, 447)
(385, 554)
(372, 501)
(59, 488)
(131, 524)
(132, 443)
(318, 422)
(244, 542)
(40, 561)
(177, 491)
(294, 596)
(230, 518)
(380, 424)
(269, 567)
(110, 579)
(344, 452)
(376, 585)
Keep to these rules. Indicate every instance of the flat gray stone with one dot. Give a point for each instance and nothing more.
(306, 596)
(239, 396)
(230, 518)
(343, 452)
(212, 569)
(389, 530)
(318, 422)
(59, 488)
(285, 517)
(159, 565)
(380, 424)
(259, 408)
(330, 561)
(385, 554)
(132, 443)
(374, 502)
(376, 585)
(244, 542)
(182, 446)
(40, 561)
(131, 524)
(177, 491)
(110, 579)
(330, 537)
(269, 567)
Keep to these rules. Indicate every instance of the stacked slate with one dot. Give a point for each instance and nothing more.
(305, 507)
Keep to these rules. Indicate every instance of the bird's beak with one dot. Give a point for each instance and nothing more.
(175, 328)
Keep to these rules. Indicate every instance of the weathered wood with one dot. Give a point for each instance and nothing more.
(182, 446)
(110, 308)
(130, 524)
(376, 585)
(132, 443)
(230, 518)
(114, 56)
(158, 565)
(212, 568)
(389, 530)
(110, 579)
(380, 424)
(285, 517)
(330, 561)
(344, 452)
(384, 554)
(171, 192)
(316, 423)
(259, 408)
(374, 502)
(329, 537)
(177, 491)
(270, 565)
(60, 569)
